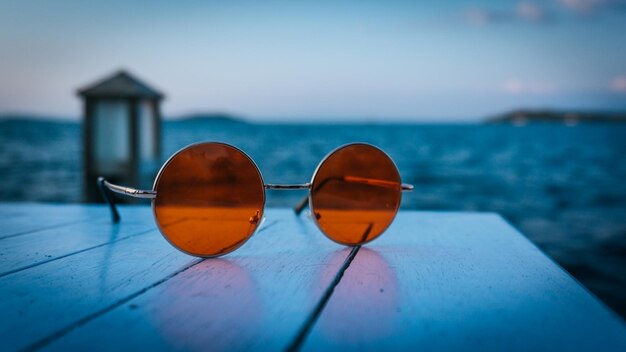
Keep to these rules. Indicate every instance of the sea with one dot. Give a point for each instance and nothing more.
(564, 187)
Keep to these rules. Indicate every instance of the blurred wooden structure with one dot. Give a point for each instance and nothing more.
(121, 133)
(435, 281)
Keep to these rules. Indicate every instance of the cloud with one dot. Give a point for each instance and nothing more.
(592, 7)
(517, 86)
(480, 17)
(513, 86)
(524, 11)
(618, 84)
(477, 17)
(530, 12)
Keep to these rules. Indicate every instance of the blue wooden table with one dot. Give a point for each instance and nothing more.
(70, 279)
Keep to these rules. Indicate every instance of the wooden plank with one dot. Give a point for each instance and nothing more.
(34, 248)
(146, 294)
(24, 218)
(41, 301)
(446, 282)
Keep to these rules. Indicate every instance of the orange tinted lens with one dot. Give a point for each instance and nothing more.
(355, 194)
(210, 199)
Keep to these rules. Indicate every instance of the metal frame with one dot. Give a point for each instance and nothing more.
(107, 189)
(156, 182)
(285, 187)
(128, 191)
(404, 187)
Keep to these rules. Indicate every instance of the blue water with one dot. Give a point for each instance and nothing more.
(563, 187)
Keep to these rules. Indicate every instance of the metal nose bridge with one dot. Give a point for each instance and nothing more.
(288, 187)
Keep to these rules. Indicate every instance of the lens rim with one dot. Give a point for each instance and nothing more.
(313, 182)
(158, 176)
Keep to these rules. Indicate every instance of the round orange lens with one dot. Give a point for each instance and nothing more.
(355, 194)
(210, 199)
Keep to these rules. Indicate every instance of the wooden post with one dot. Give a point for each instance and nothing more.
(90, 191)
(133, 114)
(156, 116)
(124, 92)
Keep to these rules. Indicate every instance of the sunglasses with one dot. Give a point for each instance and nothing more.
(208, 199)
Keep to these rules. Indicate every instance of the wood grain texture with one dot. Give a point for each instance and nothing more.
(25, 218)
(434, 281)
(255, 298)
(30, 249)
(448, 282)
(46, 298)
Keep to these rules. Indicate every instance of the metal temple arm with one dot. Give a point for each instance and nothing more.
(298, 208)
(305, 201)
(107, 189)
(301, 205)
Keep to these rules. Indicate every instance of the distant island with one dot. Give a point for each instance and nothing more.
(517, 117)
(208, 117)
(10, 117)
(522, 117)
(211, 117)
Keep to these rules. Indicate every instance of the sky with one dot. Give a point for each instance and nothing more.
(320, 60)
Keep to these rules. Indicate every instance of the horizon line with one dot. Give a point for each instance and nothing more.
(312, 119)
